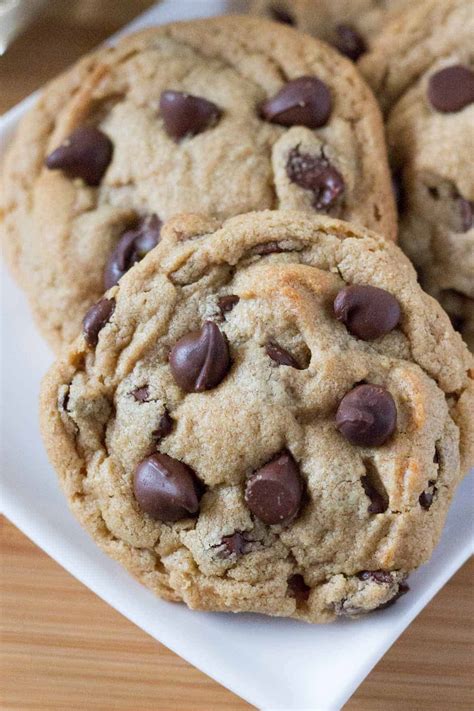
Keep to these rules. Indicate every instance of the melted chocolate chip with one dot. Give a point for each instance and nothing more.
(298, 589)
(165, 488)
(280, 15)
(132, 246)
(95, 319)
(451, 89)
(274, 492)
(280, 355)
(226, 303)
(165, 426)
(349, 42)
(367, 415)
(317, 175)
(366, 311)
(187, 115)
(232, 545)
(301, 102)
(377, 502)
(141, 394)
(85, 154)
(200, 360)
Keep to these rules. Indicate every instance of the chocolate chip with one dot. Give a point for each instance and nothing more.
(298, 589)
(232, 545)
(377, 502)
(301, 102)
(200, 360)
(426, 497)
(280, 355)
(274, 492)
(378, 576)
(226, 303)
(402, 590)
(366, 311)
(165, 488)
(280, 15)
(267, 248)
(85, 154)
(367, 415)
(451, 89)
(141, 394)
(318, 175)
(132, 246)
(466, 208)
(187, 115)
(165, 426)
(95, 319)
(349, 42)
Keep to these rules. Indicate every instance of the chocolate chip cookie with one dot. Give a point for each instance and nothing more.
(267, 415)
(349, 25)
(408, 44)
(430, 131)
(221, 116)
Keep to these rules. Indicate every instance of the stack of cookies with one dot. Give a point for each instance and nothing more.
(255, 406)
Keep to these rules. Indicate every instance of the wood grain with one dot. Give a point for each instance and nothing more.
(65, 649)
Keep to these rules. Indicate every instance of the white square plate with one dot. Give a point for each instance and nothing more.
(272, 663)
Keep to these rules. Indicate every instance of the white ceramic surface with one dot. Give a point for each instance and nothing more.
(274, 664)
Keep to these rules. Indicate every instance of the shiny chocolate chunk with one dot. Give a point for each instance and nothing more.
(367, 415)
(451, 89)
(165, 488)
(200, 360)
(367, 311)
(85, 154)
(305, 101)
(274, 492)
(132, 246)
(95, 319)
(280, 355)
(187, 115)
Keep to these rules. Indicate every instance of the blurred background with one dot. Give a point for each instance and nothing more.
(39, 38)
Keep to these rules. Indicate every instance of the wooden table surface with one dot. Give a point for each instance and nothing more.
(65, 649)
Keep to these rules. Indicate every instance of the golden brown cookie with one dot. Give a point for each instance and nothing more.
(222, 116)
(267, 415)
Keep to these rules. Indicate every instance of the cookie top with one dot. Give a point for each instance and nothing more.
(411, 41)
(222, 116)
(266, 415)
(430, 135)
(349, 25)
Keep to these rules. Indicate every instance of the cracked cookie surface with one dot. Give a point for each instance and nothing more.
(197, 116)
(265, 415)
